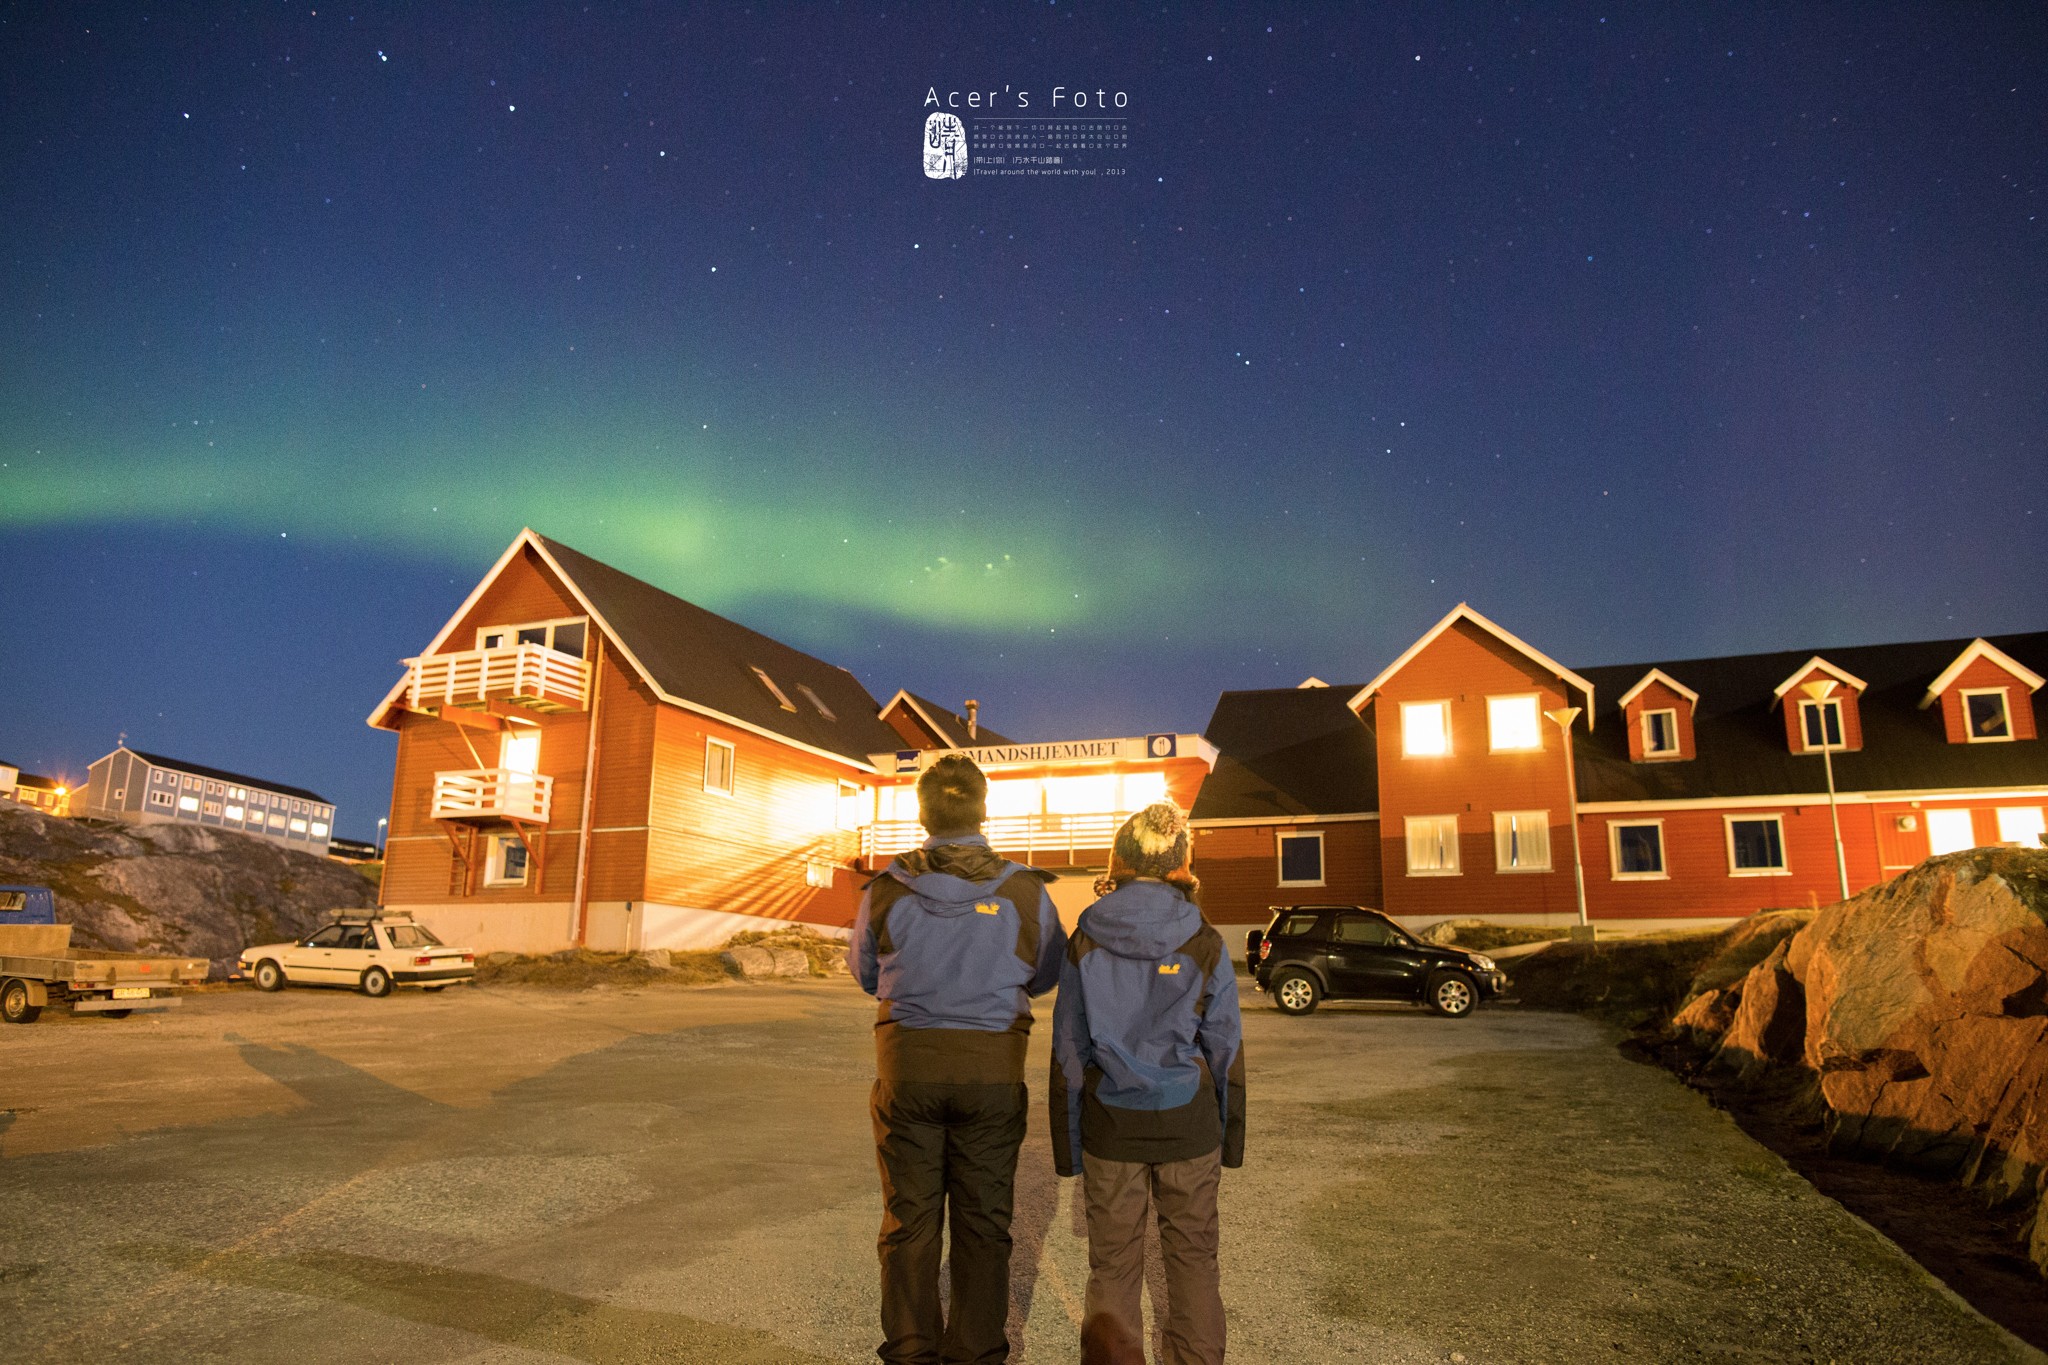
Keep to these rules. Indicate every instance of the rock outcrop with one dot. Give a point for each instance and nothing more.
(1917, 1016)
(174, 888)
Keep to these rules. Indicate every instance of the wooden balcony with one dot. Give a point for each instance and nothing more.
(492, 794)
(1059, 839)
(533, 677)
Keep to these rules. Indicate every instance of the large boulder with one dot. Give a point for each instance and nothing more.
(174, 888)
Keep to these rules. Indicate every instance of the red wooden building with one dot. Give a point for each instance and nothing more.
(1447, 786)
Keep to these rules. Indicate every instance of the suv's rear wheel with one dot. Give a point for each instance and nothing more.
(1296, 993)
(1452, 994)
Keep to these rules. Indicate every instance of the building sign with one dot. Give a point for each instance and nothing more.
(1135, 747)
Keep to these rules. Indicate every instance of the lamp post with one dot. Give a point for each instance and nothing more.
(380, 838)
(1818, 691)
(1564, 716)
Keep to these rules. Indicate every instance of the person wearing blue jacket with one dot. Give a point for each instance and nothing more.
(1147, 1089)
(953, 940)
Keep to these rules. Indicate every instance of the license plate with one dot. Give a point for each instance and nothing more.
(131, 992)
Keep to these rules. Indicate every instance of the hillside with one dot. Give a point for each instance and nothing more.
(173, 888)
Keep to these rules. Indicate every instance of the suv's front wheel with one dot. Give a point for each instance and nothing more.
(1452, 994)
(1296, 993)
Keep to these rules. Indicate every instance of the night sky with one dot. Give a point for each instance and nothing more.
(1651, 335)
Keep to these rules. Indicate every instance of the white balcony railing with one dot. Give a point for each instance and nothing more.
(532, 676)
(1032, 837)
(492, 794)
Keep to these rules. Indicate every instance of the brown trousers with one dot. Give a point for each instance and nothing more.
(1119, 1194)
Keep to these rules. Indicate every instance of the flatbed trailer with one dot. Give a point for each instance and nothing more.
(39, 967)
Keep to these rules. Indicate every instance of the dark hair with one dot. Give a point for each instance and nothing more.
(952, 796)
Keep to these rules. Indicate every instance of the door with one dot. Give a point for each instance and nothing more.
(1368, 961)
(313, 961)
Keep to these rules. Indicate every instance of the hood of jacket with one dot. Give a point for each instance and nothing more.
(1142, 920)
(952, 877)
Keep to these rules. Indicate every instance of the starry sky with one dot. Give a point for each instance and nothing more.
(1651, 332)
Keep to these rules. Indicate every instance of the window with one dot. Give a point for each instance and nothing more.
(568, 638)
(1513, 724)
(189, 804)
(189, 781)
(1950, 831)
(298, 826)
(237, 794)
(1301, 858)
(505, 861)
(1821, 724)
(718, 766)
(319, 829)
(1432, 845)
(1425, 729)
(212, 808)
(1295, 925)
(330, 937)
(1985, 716)
(411, 936)
(519, 752)
(1081, 795)
(2020, 825)
(233, 812)
(1756, 845)
(818, 874)
(159, 798)
(1660, 733)
(277, 819)
(1367, 929)
(564, 637)
(851, 807)
(781, 697)
(1521, 841)
(1010, 797)
(813, 699)
(1637, 849)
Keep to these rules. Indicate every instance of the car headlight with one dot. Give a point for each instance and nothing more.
(1483, 962)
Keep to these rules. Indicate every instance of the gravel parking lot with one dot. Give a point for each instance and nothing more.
(523, 1175)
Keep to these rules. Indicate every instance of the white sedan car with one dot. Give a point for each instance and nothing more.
(372, 953)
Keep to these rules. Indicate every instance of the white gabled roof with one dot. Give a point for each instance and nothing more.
(1463, 612)
(1657, 675)
(1840, 675)
(1980, 648)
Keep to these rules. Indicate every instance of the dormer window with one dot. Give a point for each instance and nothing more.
(1986, 715)
(1660, 733)
(1820, 723)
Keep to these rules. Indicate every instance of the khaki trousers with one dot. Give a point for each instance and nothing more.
(1119, 1194)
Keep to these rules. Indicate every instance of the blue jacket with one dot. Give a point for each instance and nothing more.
(954, 941)
(1147, 1045)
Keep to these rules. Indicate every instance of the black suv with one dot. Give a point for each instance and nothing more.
(1309, 953)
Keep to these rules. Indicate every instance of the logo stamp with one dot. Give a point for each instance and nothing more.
(945, 147)
(1169, 969)
(987, 908)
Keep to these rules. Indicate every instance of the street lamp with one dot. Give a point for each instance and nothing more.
(1818, 691)
(1564, 716)
(380, 837)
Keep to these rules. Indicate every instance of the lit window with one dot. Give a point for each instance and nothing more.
(238, 793)
(781, 697)
(298, 826)
(852, 806)
(1425, 729)
(319, 829)
(1985, 716)
(1432, 845)
(818, 874)
(1636, 848)
(1012, 797)
(277, 819)
(189, 804)
(898, 804)
(1081, 795)
(1301, 858)
(505, 861)
(813, 699)
(718, 767)
(1950, 831)
(1512, 724)
(1821, 723)
(1521, 841)
(1660, 733)
(2020, 825)
(1142, 789)
(519, 752)
(233, 812)
(1756, 845)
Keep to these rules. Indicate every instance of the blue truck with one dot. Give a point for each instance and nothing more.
(39, 967)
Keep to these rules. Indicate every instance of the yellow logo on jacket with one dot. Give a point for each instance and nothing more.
(1169, 969)
(987, 907)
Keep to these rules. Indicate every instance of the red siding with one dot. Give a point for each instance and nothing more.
(1696, 865)
(1659, 697)
(1982, 673)
(1464, 666)
(1240, 869)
